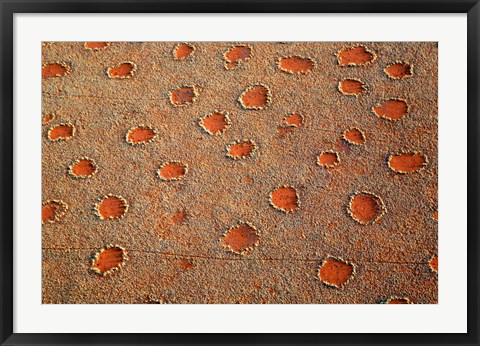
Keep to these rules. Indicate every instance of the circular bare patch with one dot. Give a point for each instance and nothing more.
(179, 217)
(61, 132)
(433, 263)
(236, 55)
(184, 96)
(354, 136)
(111, 207)
(397, 300)
(255, 97)
(366, 208)
(405, 163)
(285, 198)
(57, 69)
(241, 149)
(47, 118)
(82, 168)
(172, 170)
(241, 239)
(53, 210)
(296, 64)
(109, 259)
(122, 71)
(399, 70)
(140, 135)
(392, 109)
(352, 87)
(335, 272)
(96, 45)
(215, 123)
(355, 56)
(293, 120)
(185, 263)
(183, 51)
(328, 159)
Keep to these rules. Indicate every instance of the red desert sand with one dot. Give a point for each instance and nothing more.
(239, 172)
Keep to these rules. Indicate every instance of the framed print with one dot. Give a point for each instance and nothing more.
(239, 173)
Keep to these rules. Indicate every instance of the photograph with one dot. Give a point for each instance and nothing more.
(222, 172)
(242, 172)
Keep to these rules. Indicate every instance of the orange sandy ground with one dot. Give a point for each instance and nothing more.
(236, 208)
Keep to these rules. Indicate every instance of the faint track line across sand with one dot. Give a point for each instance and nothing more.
(176, 256)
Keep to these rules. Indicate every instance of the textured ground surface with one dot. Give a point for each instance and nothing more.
(172, 231)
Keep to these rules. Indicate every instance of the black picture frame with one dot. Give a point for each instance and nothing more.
(9, 7)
